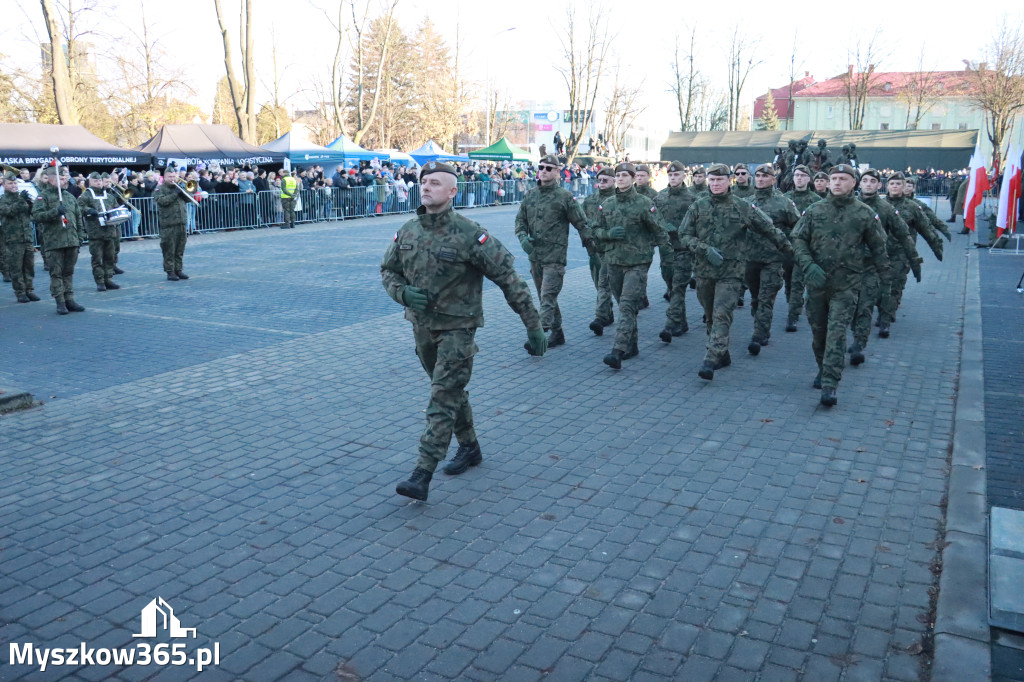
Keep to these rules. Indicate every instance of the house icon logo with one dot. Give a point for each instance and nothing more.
(169, 621)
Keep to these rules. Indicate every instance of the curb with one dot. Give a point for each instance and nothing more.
(962, 635)
(15, 399)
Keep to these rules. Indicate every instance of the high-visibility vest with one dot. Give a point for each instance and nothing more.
(289, 187)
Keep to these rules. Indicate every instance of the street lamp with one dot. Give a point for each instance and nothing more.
(487, 137)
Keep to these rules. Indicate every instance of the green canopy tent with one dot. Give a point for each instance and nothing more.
(502, 150)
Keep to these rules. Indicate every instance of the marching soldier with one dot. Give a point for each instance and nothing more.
(603, 316)
(802, 197)
(715, 229)
(16, 235)
(909, 186)
(57, 216)
(103, 238)
(916, 221)
(435, 268)
(542, 227)
(171, 203)
(672, 203)
(829, 241)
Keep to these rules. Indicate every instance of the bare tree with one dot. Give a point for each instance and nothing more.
(363, 117)
(919, 94)
(863, 59)
(244, 102)
(711, 110)
(59, 72)
(332, 95)
(788, 114)
(742, 60)
(686, 82)
(584, 53)
(621, 111)
(998, 86)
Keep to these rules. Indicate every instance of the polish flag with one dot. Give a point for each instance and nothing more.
(1009, 192)
(976, 187)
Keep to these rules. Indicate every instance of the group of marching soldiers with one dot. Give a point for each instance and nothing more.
(838, 254)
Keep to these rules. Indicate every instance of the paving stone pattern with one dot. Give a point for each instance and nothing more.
(232, 443)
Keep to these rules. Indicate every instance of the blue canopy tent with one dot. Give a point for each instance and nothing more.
(303, 152)
(353, 153)
(431, 151)
(400, 158)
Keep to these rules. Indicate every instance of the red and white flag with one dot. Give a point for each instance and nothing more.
(976, 187)
(1009, 192)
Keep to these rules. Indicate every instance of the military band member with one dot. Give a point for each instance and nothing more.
(172, 207)
(94, 202)
(57, 216)
(16, 235)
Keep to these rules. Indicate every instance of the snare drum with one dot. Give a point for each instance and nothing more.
(116, 216)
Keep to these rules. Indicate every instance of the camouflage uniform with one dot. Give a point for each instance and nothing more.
(899, 248)
(833, 235)
(103, 239)
(743, 191)
(630, 258)
(723, 222)
(447, 256)
(544, 217)
(937, 224)
(598, 263)
(672, 204)
(172, 206)
(16, 236)
(916, 221)
(650, 193)
(62, 237)
(764, 272)
(795, 276)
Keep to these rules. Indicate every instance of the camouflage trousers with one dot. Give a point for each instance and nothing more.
(447, 358)
(870, 296)
(104, 256)
(548, 277)
(603, 309)
(172, 243)
(795, 293)
(595, 265)
(682, 268)
(288, 206)
(628, 284)
(62, 269)
(891, 296)
(718, 297)
(4, 270)
(829, 312)
(764, 281)
(21, 266)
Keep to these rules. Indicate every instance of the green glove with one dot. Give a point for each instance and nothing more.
(414, 298)
(949, 236)
(617, 232)
(916, 269)
(666, 272)
(665, 254)
(595, 262)
(527, 242)
(715, 256)
(814, 276)
(537, 343)
(938, 251)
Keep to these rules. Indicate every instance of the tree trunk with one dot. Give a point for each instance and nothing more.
(60, 76)
(250, 76)
(236, 97)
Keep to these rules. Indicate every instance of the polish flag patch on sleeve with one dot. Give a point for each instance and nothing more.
(653, 209)
(482, 237)
(396, 236)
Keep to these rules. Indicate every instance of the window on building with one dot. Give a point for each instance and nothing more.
(936, 126)
(884, 126)
(828, 111)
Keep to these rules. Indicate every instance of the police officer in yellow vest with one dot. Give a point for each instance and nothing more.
(289, 192)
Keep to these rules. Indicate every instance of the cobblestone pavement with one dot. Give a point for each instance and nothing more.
(231, 444)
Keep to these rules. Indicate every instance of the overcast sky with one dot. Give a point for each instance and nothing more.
(523, 60)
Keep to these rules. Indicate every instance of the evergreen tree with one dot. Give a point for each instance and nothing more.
(769, 117)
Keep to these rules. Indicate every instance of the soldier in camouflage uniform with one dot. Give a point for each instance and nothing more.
(627, 229)
(542, 227)
(603, 316)
(716, 230)
(172, 208)
(764, 273)
(916, 221)
(802, 196)
(103, 238)
(16, 236)
(821, 184)
(435, 268)
(672, 204)
(899, 248)
(909, 185)
(829, 242)
(699, 180)
(643, 188)
(57, 216)
(742, 188)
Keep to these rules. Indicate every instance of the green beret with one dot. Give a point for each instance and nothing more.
(740, 166)
(873, 173)
(766, 169)
(104, 176)
(170, 169)
(845, 168)
(676, 166)
(821, 174)
(625, 167)
(95, 176)
(606, 170)
(803, 169)
(50, 170)
(718, 169)
(10, 176)
(700, 170)
(551, 160)
(898, 175)
(643, 167)
(437, 167)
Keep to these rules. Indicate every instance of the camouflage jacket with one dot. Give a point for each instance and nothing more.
(723, 222)
(784, 216)
(590, 206)
(647, 191)
(448, 256)
(833, 234)
(545, 215)
(933, 219)
(104, 202)
(698, 192)
(672, 204)
(918, 223)
(636, 213)
(57, 233)
(15, 218)
(171, 205)
(898, 244)
(742, 191)
(802, 199)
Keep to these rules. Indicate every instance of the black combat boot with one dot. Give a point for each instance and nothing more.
(101, 287)
(557, 338)
(828, 396)
(693, 282)
(614, 359)
(754, 347)
(180, 274)
(597, 328)
(883, 330)
(856, 355)
(118, 271)
(707, 371)
(172, 277)
(31, 295)
(110, 284)
(72, 306)
(466, 456)
(417, 486)
(665, 335)
(724, 361)
(646, 303)
(62, 308)
(791, 323)
(739, 303)
(817, 381)
(667, 295)
(22, 298)
(682, 329)
(634, 350)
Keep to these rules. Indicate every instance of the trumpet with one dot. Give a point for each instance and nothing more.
(10, 169)
(184, 189)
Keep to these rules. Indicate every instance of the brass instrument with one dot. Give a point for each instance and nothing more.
(10, 169)
(191, 186)
(124, 197)
(183, 188)
(127, 193)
